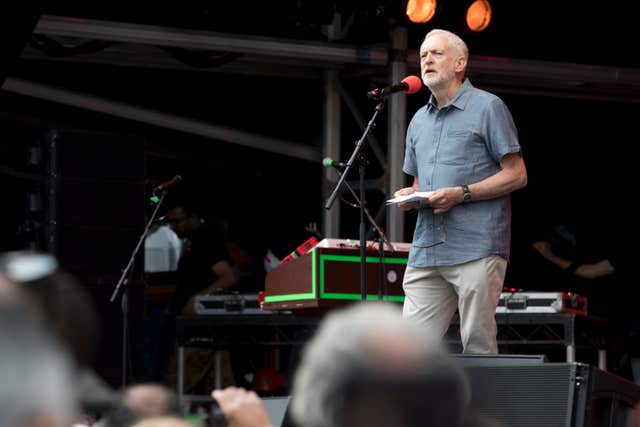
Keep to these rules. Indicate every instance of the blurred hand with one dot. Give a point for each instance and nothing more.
(189, 308)
(544, 248)
(407, 206)
(241, 408)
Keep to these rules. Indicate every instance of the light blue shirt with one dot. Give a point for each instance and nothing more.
(461, 143)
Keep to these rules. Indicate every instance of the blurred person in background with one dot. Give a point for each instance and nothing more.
(66, 310)
(37, 377)
(141, 401)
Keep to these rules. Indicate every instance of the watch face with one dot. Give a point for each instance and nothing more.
(466, 194)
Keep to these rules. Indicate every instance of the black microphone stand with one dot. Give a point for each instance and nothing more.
(356, 156)
(123, 281)
(382, 240)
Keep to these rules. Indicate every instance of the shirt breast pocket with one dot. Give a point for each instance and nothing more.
(460, 147)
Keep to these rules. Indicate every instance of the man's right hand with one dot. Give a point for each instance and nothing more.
(407, 206)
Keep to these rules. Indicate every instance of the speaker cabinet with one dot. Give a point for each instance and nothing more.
(552, 394)
(468, 360)
(95, 194)
(94, 210)
(521, 391)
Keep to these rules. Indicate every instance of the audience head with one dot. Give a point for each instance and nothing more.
(12, 295)
(65, 306)
(65, 309)
(366, 364)
(142, 401)
(149, 400)
(163, 422)
(36, 387)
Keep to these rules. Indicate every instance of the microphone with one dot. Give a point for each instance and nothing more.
(176, 179)
(409, 85)
(328, 162)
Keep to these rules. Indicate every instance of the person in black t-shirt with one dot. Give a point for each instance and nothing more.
(205, 265)
(604, 273)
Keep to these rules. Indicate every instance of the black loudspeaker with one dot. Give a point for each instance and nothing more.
(499, 359)
(17, 21)
(551, 394)
(526, 391)
(95, 211)
(94, 216)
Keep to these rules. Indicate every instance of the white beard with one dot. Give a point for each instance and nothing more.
(439, 80)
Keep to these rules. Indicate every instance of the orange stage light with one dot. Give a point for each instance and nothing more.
(479, 15)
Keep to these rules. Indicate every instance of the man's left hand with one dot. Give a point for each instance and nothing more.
(444, 199)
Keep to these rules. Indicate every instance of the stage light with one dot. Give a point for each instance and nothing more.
(479, 15)
(421, 11)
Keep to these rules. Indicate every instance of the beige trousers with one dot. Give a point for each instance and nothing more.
(432, 295)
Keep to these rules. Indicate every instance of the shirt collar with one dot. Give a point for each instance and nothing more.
(459, 100)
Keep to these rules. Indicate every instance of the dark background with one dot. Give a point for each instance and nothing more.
(578, 143)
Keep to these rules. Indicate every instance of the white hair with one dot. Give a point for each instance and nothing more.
(453, 40)
(37, 379)
(366, 337)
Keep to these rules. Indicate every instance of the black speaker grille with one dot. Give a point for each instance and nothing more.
(96, 200)
(525, 396)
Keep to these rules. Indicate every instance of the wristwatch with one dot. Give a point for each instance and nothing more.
(466, 194)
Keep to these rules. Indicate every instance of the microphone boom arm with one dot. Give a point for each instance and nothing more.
(354, 155)
(381, 233)
(126, 270)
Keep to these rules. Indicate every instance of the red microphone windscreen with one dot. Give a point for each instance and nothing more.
(414, 83)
